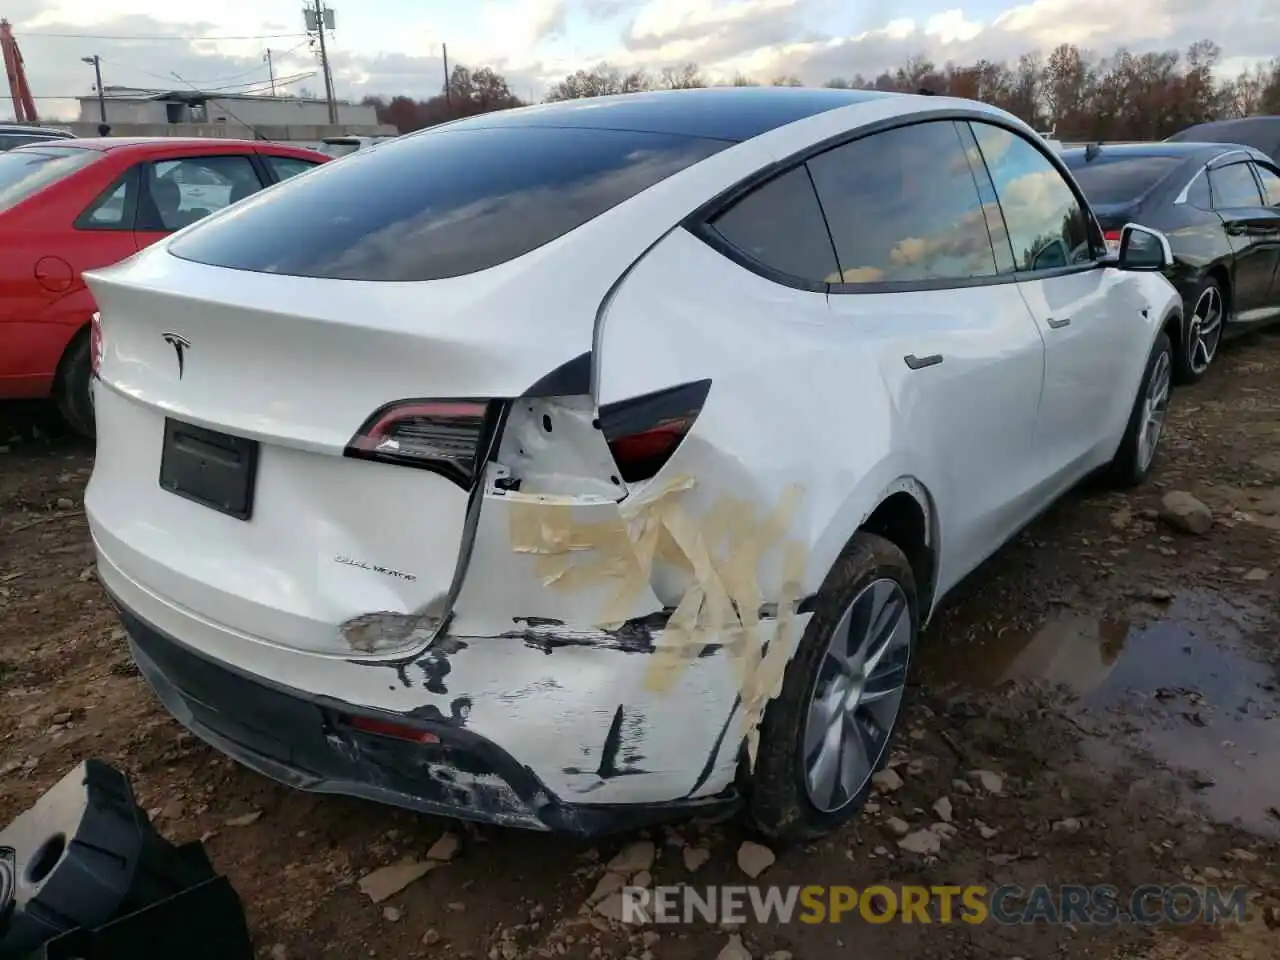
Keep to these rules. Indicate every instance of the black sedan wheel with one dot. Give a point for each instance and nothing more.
(1204, 333)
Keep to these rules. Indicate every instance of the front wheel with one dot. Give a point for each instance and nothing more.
(1204, 333)
(1142, 435)
(830, 727)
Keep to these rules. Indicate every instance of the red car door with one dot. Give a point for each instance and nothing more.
(44, 249)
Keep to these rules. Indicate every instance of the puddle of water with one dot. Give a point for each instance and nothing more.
(1186, 687)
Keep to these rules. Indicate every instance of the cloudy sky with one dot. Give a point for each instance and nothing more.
(393, 46)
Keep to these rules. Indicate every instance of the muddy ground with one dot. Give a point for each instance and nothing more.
(1118, 676)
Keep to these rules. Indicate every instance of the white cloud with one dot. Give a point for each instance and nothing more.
(395, 49)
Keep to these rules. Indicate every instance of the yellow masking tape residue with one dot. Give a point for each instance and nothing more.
(722, 604)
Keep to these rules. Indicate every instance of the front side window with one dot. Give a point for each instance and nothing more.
(1234, 186)
(1044, 223)
(286, 167)
(179, 192)
(903, 207)
(780, 227)
(441, 203)
(1270, 185)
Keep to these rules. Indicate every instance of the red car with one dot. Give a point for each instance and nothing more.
(72, 205)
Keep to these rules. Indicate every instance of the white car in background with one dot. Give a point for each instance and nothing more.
(344, 146)
(610, 470)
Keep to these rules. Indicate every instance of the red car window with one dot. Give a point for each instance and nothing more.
(27, 171)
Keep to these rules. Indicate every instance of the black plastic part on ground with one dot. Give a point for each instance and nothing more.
(90, 871)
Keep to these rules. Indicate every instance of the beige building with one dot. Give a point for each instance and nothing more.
(191, 113)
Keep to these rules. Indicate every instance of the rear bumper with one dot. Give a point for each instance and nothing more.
(307, 742)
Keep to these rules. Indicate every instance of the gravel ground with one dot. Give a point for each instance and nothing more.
(1113, 675)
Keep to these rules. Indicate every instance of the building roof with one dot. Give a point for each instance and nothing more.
(142, 95)
(717, 113)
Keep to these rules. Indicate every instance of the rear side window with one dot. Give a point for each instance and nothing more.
(780, 227)
(441, 203)
(1234, 186)
(903, 206)
(23, 173)
(1119, 179)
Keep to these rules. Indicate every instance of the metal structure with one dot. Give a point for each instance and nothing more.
(318, 19)
(96, 62)
(24, 105)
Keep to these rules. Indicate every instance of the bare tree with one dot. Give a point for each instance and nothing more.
(686, 77)
(602, 80)
(1127, 96)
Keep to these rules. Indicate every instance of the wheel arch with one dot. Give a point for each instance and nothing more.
(903, 512)
(1222, 275)
(906, 516)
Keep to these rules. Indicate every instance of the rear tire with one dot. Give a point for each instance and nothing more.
(825, 703)
(73, 390)
(1206, 321)
(1141, 441)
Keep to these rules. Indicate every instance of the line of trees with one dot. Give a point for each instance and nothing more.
(1126, 96)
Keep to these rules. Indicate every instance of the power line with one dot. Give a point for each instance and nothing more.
(158, 36)
(230, 91)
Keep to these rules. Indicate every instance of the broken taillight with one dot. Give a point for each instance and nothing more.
(448, 437)
(95, 343)
(644, 432)
(389, 728)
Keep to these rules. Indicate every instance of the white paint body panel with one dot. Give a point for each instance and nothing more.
(807, 390)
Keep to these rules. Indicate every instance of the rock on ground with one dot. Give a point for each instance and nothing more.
(1184, 512)
(754, 859)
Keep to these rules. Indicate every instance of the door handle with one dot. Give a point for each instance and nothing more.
(1059, 324)
(919, 363)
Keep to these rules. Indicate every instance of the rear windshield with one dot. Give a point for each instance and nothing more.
(1119, 179)
(24, 173)
(440, 204)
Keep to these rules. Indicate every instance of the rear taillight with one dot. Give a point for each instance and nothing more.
(448, 437)
(388, 728)
(1113, 242)
(645, 431)
(95, 343)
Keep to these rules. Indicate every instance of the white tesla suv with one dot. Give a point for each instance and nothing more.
(597, 461)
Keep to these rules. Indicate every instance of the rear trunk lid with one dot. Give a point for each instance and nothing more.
(290, 369)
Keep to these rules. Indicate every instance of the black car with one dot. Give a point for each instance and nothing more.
(1261, 133)
(1219, 205)
(19, 135)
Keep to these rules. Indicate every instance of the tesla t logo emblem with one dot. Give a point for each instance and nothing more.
(180, 345)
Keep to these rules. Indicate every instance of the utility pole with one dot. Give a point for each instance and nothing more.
(448, 95)
(271, 72)
(96, 61)
(323, 19)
